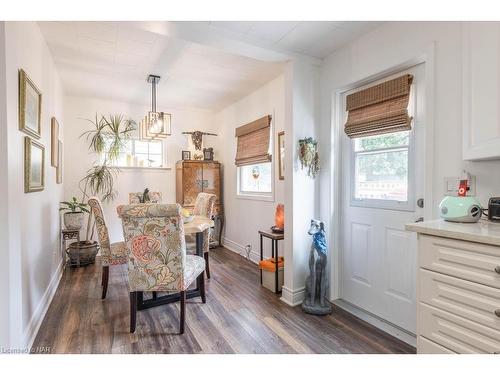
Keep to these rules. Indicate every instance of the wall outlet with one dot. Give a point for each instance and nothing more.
(451, 186)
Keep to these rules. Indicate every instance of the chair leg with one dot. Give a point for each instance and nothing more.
(183, 311)
(104, 282)
(133, 311)
(207, 265)
(201, 284)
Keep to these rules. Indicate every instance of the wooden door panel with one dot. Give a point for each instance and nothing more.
(192, 181)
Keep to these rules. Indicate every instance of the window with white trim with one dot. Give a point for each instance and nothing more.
(140, 153)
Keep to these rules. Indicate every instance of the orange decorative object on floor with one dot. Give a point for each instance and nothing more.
(270, 264)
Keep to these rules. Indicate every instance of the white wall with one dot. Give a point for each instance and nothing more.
(301, 192)
(388, 46)
(78, 159)
(252, 215)
(4, 186)
(33, 219)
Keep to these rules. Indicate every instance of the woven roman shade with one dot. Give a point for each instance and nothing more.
(379, 109)
(253, 142)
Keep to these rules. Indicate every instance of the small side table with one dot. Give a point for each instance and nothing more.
(71, 234)
(274, 237)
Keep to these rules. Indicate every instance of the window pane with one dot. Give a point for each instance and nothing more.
(382, 141)
(256, 178)
(155, 147)
(141, 147)
(382, 175)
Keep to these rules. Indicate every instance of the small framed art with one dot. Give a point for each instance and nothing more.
(30, 106)
(54, 142)
(186, 155)
(34, 166)
(281, 155)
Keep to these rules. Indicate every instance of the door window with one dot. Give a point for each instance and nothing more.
(381, 170)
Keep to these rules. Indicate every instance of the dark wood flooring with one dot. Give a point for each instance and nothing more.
(240, 316)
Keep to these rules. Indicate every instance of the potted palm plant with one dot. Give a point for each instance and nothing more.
(73, 218)
(107, 138)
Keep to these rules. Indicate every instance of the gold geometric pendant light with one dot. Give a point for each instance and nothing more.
(155, 125)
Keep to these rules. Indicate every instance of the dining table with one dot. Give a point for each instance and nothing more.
(198, 226)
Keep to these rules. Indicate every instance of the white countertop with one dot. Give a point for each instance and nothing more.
(483, 231)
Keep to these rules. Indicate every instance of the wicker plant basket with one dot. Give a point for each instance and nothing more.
(88, 251)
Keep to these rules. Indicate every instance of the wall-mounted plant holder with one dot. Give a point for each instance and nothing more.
(308, 156)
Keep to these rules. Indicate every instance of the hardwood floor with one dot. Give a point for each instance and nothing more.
(240, 316)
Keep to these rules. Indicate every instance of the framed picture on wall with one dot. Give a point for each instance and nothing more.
(30, 106)
(54, 142)
(186, 155)
(59, 169)
(281, 155)
(34, 165)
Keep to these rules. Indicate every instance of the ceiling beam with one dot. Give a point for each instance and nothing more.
(200, 33)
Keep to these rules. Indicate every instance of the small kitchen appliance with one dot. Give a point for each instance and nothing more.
(461, 209)
(494, 209)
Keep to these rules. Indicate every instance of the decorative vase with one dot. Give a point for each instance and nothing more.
(85, 250)
(73, 220)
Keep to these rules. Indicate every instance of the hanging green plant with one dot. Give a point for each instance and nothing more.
(308, 156)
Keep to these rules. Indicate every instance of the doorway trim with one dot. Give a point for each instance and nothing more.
(427, 57)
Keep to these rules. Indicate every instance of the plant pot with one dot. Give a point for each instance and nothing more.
(83, 254)
(73, 220)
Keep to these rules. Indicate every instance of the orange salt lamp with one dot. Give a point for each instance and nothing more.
(279, 219)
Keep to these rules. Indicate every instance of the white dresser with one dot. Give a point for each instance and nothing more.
(458, 287)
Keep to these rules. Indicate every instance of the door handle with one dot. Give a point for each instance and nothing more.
(419, 220)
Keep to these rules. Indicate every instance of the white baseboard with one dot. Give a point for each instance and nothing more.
(380, 323)
(240, 249)
(36, 320)
(293, 297)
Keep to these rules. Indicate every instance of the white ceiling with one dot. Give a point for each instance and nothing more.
(202, 64)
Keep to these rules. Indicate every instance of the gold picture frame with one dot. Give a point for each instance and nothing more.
(54, 142)
(281, 155)
(59, 169)
(34, 165)
(30, 106)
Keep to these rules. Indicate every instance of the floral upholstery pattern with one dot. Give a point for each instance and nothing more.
(111, 253)
(154, 197)
(204, 205)
(154, 236)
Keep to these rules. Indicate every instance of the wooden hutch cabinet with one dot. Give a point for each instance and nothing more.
(196, 176)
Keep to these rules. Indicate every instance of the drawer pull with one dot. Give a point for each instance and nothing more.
(497, 312)
(497, 269)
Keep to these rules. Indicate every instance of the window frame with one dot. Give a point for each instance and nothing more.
(262, 196)
(133, 153)
(387, 204)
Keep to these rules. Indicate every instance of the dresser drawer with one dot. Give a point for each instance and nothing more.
(472, 301)
(456, 333)
(466, 260)
(425, 346)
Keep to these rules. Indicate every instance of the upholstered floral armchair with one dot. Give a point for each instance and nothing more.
(203, 206)
(154, 235)
(111, 253)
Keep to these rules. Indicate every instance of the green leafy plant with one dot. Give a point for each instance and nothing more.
(73, 206)
(107, 138)
(309, 156)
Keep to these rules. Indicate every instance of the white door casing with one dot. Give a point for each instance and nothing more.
(377, 256)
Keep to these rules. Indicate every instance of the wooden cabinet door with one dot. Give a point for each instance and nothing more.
(211, 179)
(192, 181)
(481, 90)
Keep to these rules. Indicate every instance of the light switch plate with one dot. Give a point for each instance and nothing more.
(451, 186)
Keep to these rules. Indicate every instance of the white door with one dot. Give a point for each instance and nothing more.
(382, 179)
